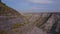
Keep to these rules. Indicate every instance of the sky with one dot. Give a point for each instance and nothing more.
(34, 5)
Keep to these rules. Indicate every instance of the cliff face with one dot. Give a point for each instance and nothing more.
(12, 22)
(48, 22)
(10, 19)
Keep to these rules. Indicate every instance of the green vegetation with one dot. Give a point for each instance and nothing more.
(17, 25)
(3, 32)
(15, 30)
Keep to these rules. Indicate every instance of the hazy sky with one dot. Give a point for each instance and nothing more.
(34, 5)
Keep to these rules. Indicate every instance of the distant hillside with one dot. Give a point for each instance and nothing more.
(46, 21)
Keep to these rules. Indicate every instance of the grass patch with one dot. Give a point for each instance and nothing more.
(3, 32)
(17, 25)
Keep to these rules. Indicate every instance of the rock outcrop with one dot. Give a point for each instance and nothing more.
(48, 22)
(10, 19)
(12, 22)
